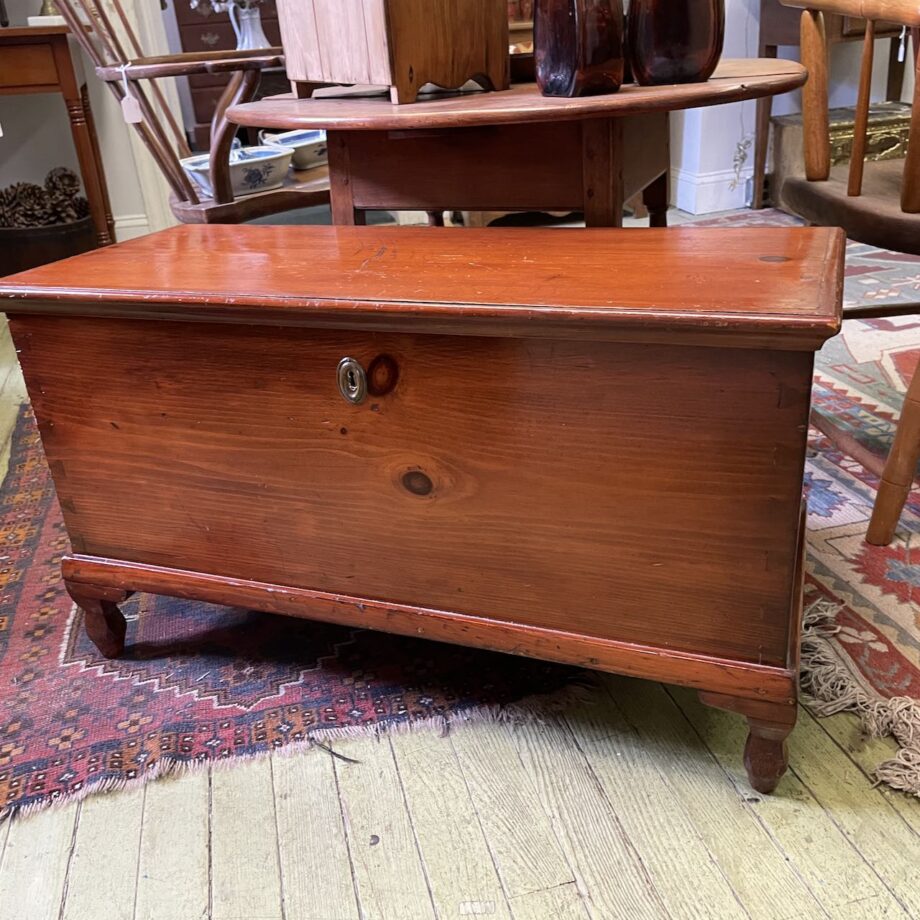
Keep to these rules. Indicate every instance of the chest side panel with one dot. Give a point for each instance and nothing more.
(644, 493)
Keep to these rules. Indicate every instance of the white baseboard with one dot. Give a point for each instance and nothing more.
(128, 226)
(704, 193)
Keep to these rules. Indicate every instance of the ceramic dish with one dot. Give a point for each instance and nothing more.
(252, 169)
(309, 146)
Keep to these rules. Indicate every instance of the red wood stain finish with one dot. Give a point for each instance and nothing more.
(586, 446)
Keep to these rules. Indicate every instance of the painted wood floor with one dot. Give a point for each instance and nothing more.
(632, 806)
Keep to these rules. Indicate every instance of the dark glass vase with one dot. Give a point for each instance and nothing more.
(675, 41)
(578, 46)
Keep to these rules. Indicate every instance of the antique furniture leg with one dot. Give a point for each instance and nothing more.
(898, 475)
(769, 724)
(762, 138)
(243, 86)
(105, 623)
(82, 129)
(97, 157)
(342, 199)
(602, 171)
(655, 198)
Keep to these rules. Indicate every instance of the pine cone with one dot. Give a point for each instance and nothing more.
(81, 207)
(62, 181)
(8, 207)
(63, 207)
(33, 209)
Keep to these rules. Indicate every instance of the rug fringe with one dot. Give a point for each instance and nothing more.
(531, 709)
(831, 689)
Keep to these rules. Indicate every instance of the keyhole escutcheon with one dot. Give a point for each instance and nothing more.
(352, 381)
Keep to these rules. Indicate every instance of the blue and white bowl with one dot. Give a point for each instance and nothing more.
(252, 169)
(309, 146)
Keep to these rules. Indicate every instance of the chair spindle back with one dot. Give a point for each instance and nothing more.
(815, 92)
(104, 30)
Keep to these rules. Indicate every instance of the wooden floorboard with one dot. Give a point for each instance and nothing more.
(827, 861)
(634, 807)
(586, 825)
(767, 886)
(459, 865)
(173, 877)
(388, 870)
(867, 753)
(870, 822)
(36, 859)
(245, 868)
(673, 852)
(102, 876)
(527, 855)
(316, 872)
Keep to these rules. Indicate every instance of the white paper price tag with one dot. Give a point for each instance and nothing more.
(130, 107)
(131, 110)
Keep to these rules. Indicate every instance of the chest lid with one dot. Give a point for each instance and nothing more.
(777, 287)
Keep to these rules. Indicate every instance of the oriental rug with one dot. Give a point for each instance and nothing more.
(861, 648)
(201, 684)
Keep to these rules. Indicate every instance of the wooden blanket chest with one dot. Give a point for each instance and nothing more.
(584, 446)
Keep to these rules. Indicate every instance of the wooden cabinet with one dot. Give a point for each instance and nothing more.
(509, 439)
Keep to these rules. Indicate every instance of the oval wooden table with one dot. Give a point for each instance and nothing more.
(513, 150)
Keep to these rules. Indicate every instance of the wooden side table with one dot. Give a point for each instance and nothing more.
(37, 59)
(513, 150)
(779, 25)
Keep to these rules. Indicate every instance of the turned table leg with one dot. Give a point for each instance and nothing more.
(766, 755)
(105, 623)
(85, 140)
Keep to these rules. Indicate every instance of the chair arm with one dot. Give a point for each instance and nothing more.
(182, 65)
(905, 12)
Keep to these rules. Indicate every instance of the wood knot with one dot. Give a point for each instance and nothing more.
(417, 482)
(382, 374)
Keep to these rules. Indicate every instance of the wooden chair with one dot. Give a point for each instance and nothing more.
(877, 203)
(105, 32)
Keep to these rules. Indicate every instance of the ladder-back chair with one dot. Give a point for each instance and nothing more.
(877, 203)
(105, 32)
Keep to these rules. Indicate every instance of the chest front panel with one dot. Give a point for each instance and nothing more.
(643, 493)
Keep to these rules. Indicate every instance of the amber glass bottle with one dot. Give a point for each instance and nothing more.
(675, 41)
(578, 46)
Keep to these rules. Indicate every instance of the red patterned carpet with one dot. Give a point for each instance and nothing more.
(202, 683)
(198, 682)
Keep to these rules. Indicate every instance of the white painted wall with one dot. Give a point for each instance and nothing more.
(712, 149)
(36, 137)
